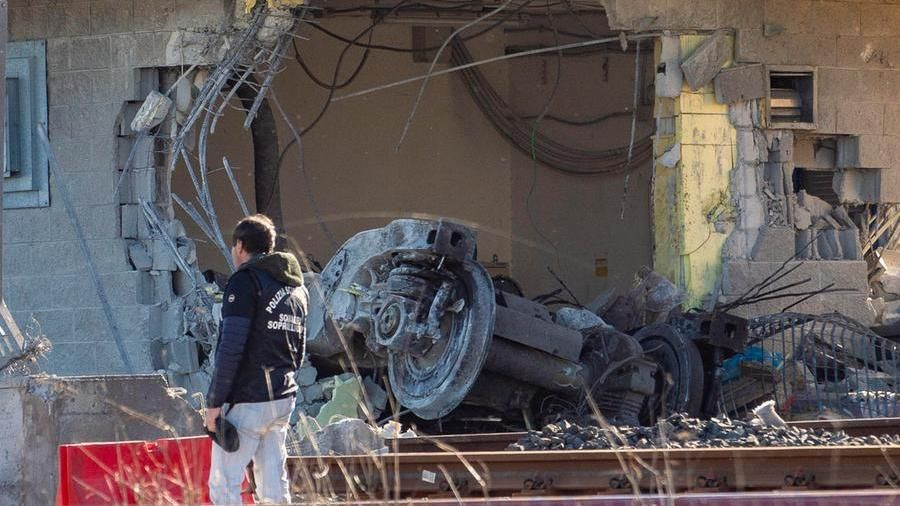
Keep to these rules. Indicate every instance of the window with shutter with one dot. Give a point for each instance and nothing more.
(25, 169)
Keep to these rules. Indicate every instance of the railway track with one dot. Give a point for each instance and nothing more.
(458, 467)
(591, 472)
(783, 498)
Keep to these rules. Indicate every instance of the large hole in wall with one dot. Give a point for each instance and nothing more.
(802, 204)
(819, 183)
(454, 162)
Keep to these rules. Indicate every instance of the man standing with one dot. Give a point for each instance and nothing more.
(260, 347)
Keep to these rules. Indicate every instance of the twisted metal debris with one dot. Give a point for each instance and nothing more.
(822, 364)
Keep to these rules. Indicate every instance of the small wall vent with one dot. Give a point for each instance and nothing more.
(791, 98)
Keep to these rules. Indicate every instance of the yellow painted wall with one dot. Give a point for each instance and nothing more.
(688, 198)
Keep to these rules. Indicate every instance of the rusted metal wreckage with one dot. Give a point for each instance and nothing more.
(413, 298)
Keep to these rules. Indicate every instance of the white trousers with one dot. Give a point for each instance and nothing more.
(262, 429)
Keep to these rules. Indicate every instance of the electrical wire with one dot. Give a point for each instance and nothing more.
(309, 73)
(534, 160)
(579, 122)
(434, 61)
(578, 19)
(634, 108)
(494, 59)
(502, 19)
(566, 159)
(334, 78)
(410, 6)
(555, 155)
(331, 89)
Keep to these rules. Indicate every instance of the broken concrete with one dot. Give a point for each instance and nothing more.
(277, 22)
(306, 375)
(815, 153)
(707, 60)
(375, 396)
(858, 186)
(741, 84)
(891, 313)
(152, 112)
(346, 396)
(669, 77)
(348, 436)
(578, 319)
(850, 244)
(140, 259)
(671, 157)
(204, 48)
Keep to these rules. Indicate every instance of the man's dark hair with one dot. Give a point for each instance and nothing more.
(256, 233)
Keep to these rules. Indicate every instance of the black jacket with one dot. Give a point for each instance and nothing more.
(260, 345)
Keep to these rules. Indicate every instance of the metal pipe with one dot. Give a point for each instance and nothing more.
(535, 367)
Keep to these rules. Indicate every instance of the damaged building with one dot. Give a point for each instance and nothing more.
(771, 137)
(724, 144)
(714, 142)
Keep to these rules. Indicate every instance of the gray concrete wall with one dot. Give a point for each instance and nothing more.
(39, 413)
(94, 51)
(852, 44)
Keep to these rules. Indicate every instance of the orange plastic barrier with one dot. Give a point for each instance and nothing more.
(166, 471)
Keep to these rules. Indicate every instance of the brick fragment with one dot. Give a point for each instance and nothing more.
(707, 60)
(742, 83)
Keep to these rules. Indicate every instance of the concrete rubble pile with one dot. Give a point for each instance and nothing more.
(190, 341)
(650, 300)
(798, 222)
(346, 436)
(341, 395)
(680, 431)
(823, 232)
(330, 414)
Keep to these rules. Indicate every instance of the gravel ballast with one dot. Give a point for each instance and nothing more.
(679, 431)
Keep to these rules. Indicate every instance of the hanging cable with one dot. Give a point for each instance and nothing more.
(503, 18)
(534, 127)
(567, 159)
(334, 86)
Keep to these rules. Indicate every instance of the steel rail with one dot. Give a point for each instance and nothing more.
(782, 498)
(588, 472)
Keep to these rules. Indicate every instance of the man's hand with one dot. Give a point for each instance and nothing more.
(211, 415)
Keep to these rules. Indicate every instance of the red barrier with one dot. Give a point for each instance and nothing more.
(167, 471)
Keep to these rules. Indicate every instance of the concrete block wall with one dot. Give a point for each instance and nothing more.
(745, 179)
(847, 281)
(854, 45)
(95, 50)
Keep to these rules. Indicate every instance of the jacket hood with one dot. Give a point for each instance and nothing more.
(283, 267)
